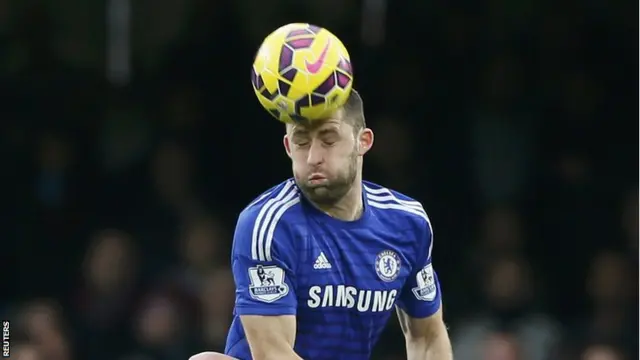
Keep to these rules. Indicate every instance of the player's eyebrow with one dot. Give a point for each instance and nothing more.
(297, 131)
(328, 131)
(323, 129)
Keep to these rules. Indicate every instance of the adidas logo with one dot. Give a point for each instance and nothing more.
(322, 262)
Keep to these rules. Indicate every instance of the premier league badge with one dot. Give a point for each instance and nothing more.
(426, 281)
(387, 265)
(267, 283)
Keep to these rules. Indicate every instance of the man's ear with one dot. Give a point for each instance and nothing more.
(365, 141)
(287, 145)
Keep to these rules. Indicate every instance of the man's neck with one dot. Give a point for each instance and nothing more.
(350, 207)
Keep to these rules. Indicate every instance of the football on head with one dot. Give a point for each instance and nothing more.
(302, 72)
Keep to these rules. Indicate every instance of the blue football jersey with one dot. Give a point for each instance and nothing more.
(341, 279)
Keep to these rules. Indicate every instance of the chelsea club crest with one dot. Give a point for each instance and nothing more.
(388, 265)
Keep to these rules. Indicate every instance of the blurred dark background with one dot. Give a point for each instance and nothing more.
(132, 140)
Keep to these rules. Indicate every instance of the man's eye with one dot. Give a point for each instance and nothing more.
(330, 140)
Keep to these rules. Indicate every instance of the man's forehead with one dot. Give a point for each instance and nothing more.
(317, 125)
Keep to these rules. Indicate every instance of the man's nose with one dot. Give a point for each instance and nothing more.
(315, 156)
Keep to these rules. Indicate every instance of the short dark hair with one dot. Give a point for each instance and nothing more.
(353, 111)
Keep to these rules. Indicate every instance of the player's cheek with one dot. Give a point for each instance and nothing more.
(300, 157)
(301, 162)
(299, 170)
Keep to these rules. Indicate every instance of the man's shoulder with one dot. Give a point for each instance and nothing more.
(275, 201)
(373, 188)
(394, 203)
(269, 217)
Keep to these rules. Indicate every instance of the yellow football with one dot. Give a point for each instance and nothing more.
(302, 72)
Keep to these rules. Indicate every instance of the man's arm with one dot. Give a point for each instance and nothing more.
(420, 305)
(426, 338)
(271, 337)
(264, 269)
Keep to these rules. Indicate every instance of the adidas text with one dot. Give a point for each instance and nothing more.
(321, 266)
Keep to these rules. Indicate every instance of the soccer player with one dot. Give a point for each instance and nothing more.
(321, 260)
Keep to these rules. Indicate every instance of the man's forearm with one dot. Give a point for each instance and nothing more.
(436, 348)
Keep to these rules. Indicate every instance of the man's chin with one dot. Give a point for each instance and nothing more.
(316, 191)
(312, 191)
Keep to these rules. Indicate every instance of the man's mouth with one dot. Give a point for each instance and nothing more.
(317, 178)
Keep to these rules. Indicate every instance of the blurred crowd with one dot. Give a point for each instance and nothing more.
(132, 140)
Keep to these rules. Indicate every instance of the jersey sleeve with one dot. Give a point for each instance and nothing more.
(421, 295)
(263, 266)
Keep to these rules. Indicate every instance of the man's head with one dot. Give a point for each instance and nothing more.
(327, 154)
